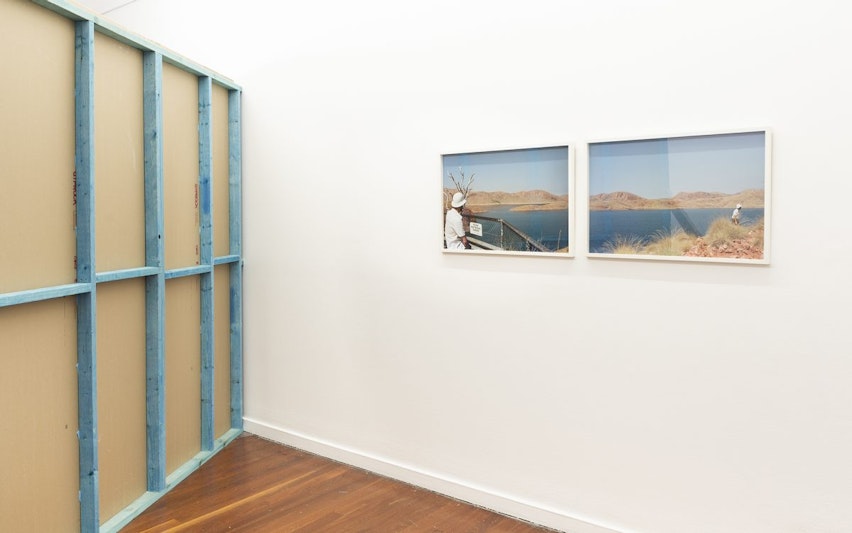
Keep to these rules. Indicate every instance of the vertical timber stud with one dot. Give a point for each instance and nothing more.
(84, 156)
(155, 285)
(205, 203)
(235, 191)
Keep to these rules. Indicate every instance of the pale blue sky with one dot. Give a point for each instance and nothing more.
(661, 168)
(512, 170)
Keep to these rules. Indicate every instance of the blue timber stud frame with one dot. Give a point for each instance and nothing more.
(87, 385)
(155, 285)
(235, 196)
(205, 208)
(153, 272)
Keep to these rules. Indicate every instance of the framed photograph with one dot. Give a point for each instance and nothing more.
(690, 198)
(508, 201)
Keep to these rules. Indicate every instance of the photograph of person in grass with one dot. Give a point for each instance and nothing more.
(702, 196)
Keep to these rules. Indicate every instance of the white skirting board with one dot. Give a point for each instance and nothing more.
(458, 489)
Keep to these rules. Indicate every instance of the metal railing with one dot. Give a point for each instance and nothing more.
(497, 234)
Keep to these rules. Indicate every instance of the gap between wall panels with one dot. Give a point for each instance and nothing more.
(155, 230)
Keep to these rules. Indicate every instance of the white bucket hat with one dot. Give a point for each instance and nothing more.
(458, 200)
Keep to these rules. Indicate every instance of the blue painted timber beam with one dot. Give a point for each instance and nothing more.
(187, 271)
(226, 259)
(205, 207)
(87, 390)
(48, 293)
(129, 273)
(155, 285)
(235, 199)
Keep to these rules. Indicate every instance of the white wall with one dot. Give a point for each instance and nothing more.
(642, 396)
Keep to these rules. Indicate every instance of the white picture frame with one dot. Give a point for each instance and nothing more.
(696, 197)
(518, 201)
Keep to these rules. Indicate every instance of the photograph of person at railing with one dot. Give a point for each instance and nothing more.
(509, 200)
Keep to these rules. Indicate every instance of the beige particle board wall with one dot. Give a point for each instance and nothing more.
(183, 373)
(119, 156)
(121, 394)
(180, 161)
(120, 244)
(222, 350)
(37, 245)
(40, 483)
(39, 452)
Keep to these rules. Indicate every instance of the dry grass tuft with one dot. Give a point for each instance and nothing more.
(723, 239)
(722, 230)
(624, 245)
(675, 243)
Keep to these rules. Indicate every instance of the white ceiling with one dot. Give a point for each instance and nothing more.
(103, 6)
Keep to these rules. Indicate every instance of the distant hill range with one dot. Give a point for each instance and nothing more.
(624, 201)
(536, 200)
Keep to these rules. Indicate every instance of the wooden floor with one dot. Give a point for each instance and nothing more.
(257, 485)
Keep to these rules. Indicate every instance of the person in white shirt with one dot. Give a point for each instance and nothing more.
(454, 228)
(735, 216)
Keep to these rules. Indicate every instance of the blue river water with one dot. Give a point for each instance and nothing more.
(550, 228)
(643, 225)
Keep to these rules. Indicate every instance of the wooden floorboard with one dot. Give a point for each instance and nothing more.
(255, 485)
